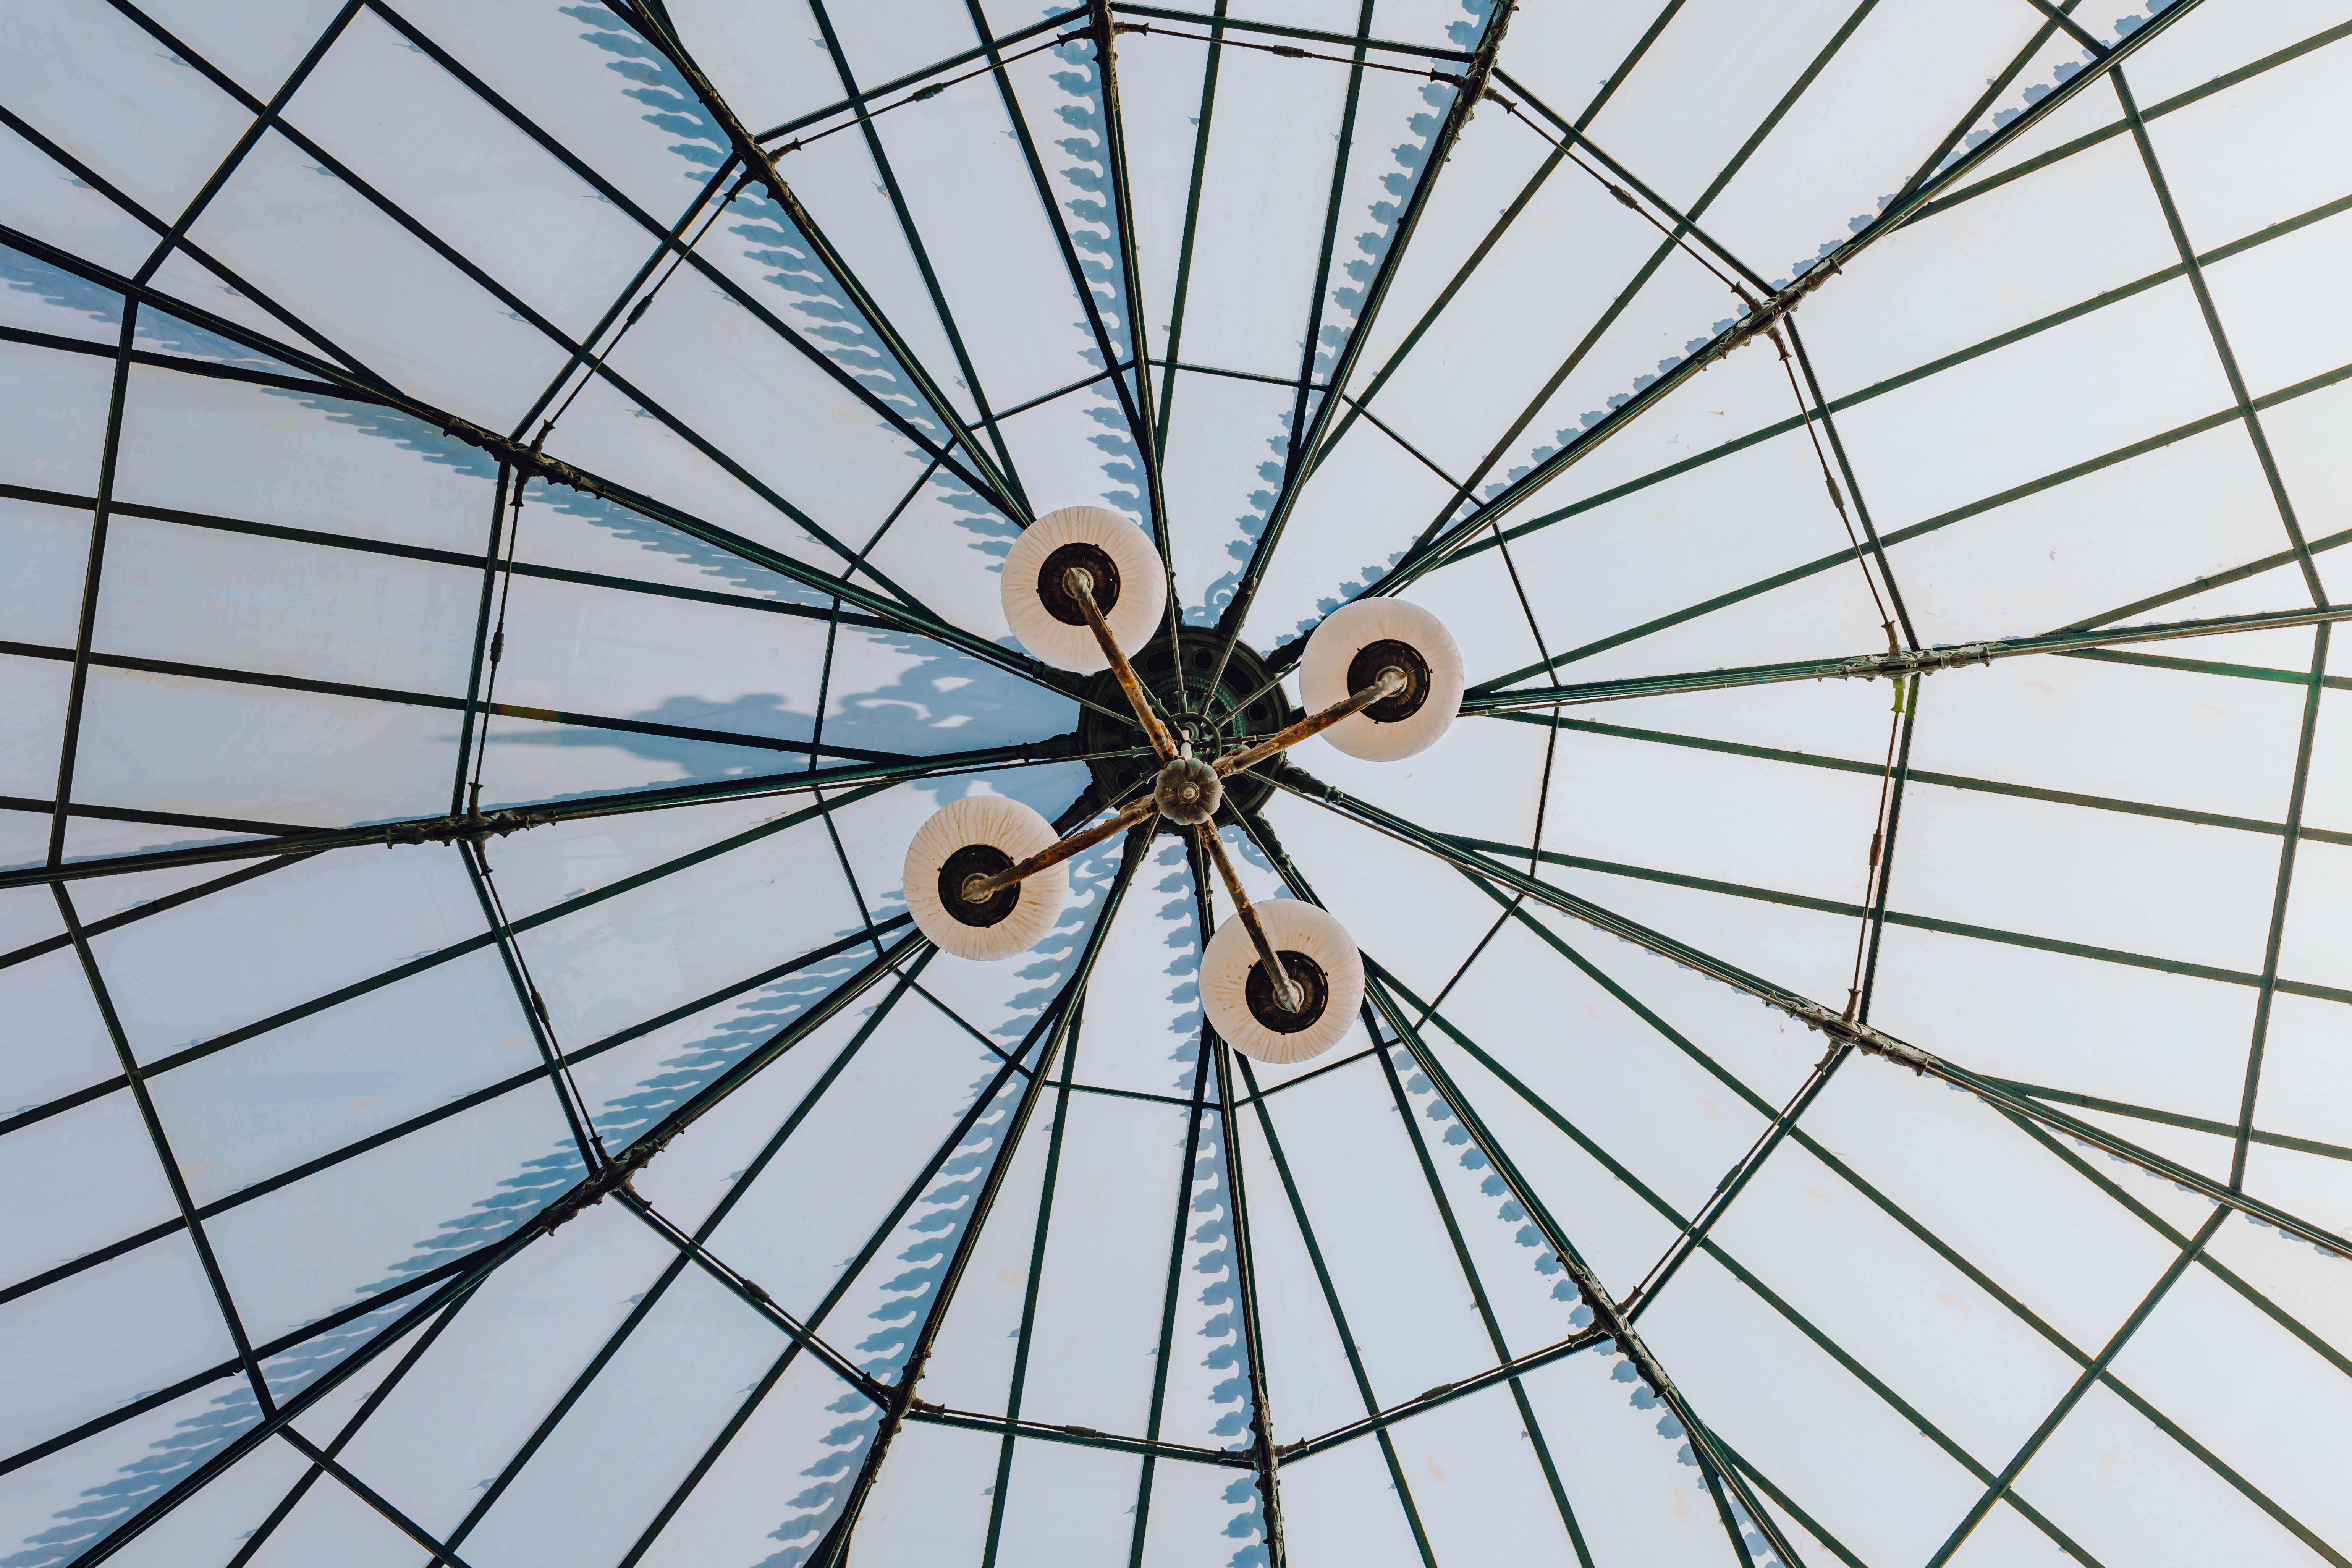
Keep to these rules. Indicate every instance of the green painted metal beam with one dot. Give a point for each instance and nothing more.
(2180, 101)
(896, 614)
(1753, 323)
(1304, 443)
(1814, 1015)
(2268, 989)
(2221, 350)
(451, 829)
(1897, 666)
(2032, 1444)
(834, 1548)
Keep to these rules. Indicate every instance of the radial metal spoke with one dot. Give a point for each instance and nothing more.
(834, 1549)
(2270, 982)
(1304, 443)
(1816, 1017)
(1041, 1235)
(555, 472)
(466, 826)
(1754, 323)
(1138, 429)
(1187, 1184)
(2221, 349)
(1265, 1457)
(1608, 1320)
(1897, 666)
(761, 165)
(2082, 1385)
(1150, 431)
(470, 1272)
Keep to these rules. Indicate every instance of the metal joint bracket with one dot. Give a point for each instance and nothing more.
(471, 827)
(527, 460)
(1862, 1038)
(1915, 661)
(607, 1179)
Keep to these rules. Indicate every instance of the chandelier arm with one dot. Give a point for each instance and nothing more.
(1286, 990)
(1141, 810)
(1079, 586)
(1389, 682)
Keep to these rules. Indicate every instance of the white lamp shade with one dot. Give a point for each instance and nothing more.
(1000, 824)
(1292, 927)
(1348, 631)
(1142, 587)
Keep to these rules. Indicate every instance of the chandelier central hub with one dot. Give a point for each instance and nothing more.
(1243, 704)
(1189, 791)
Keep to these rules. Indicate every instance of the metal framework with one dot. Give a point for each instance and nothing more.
(1425, 1057)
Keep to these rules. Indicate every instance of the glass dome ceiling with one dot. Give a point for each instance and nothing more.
(503, 506)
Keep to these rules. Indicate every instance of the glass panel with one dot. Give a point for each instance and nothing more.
(44, 200)
(374, 1222)
(254, 753)
(1061, 1499)
(2220, 192)
(1478, 1482)
(1341, 1507)
(255, 46)
(2121, 1488)
(455, 1420)
(1227, 440)
(353, 274)
(931, 1501)
(1143, 1012)
(146, 121)
(779, 1479)
(671, 1386)
(236, 602)
(57, 1039)
(34, 717)
(90, 1177)
(264, 455)
(94, 1340)
(455, 164)
(60, 1506)
(1197, 1510)
(330, 1080)
(53, 443)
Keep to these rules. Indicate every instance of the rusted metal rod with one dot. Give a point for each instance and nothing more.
(1390, 681)
(1080, 585)
(977, 889)
(1286, 991)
